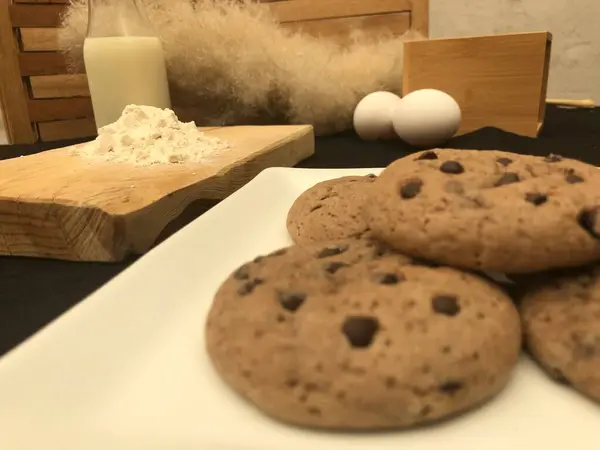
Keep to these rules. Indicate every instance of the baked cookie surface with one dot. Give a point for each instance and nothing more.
(348, 335)
(561, 323)
(489, 210)
(330, 210)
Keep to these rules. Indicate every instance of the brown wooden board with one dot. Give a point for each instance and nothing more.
(497, 80)
(57, 204)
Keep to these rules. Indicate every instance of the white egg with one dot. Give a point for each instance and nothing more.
(373, 116)
(426, 118)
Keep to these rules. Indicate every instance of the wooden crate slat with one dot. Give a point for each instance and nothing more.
(57, 86)
(340, 29)
(67, 129)
(41, 1)
(303, 10)
(60, 109)
(38, 15)
(42, 63)
(12, 90)
(40, 39)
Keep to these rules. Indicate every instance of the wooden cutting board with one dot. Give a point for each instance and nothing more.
(59, 205)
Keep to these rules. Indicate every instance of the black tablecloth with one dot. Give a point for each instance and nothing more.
(33, 292)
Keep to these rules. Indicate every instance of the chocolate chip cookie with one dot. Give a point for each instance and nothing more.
(350, 335)
(489, 210)
(330, 210)
(561, 321)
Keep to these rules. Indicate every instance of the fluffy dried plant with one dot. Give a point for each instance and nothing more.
(229, 62)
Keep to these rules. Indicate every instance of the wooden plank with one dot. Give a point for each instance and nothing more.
(60, 109)
(341, 29)
(59, 86)
(59, 204)
(13, 96)
(42, 63)
(420, 17)
(497, 80)
(41, 1)
(23, 15)
(39, 39)
(67, 129)
(544, 90)
(303, 10)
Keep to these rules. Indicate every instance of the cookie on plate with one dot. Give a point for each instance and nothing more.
(347, 336)
(489, 210)
(561, 323)
(330, 210)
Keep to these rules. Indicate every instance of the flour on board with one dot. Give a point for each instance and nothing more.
(145, 135)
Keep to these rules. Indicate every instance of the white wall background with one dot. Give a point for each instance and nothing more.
(574, 24)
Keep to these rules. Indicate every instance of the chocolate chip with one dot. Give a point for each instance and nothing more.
(559, 377)
(588, 220)
(291, 300)
(424, 263)
(445, 304)
(314, 208)
(504, 161)
(248, 286)
(536, 198)
(279, 252)
(292, 382)
(452, 167)
(258, 259)
(573, 178)
(411, 189)
(425, 411)
(450, 387)
(313, 411)
(380, 250)
(508, 178)
(332, 251)
(552, 158)
(428, 155)
(372, 175)
(390, 278)
(243, 273)
(360, 330)
(333, 267)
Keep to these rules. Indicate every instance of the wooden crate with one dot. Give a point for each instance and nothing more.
(42, 101)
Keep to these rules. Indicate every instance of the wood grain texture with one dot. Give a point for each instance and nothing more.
(37, 15)
(341, 29)
(420, 17)
(42, 63)
(66, 129)
(60, 108)
(498, 81)
(304, 10)
(57, 86)
(39, 39)
(58, 205)
(41, 1)
(13, 96)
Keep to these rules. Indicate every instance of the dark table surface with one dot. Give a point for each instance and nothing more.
(33, 292)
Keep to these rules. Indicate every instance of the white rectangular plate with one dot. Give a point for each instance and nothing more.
(126, 368)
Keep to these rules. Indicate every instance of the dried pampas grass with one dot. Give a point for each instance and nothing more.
(229, 62)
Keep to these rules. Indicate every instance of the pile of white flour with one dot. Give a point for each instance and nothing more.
(145, 135)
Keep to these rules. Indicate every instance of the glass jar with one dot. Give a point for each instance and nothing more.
(124, 60)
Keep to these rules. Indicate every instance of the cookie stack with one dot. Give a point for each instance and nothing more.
(376, 318)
